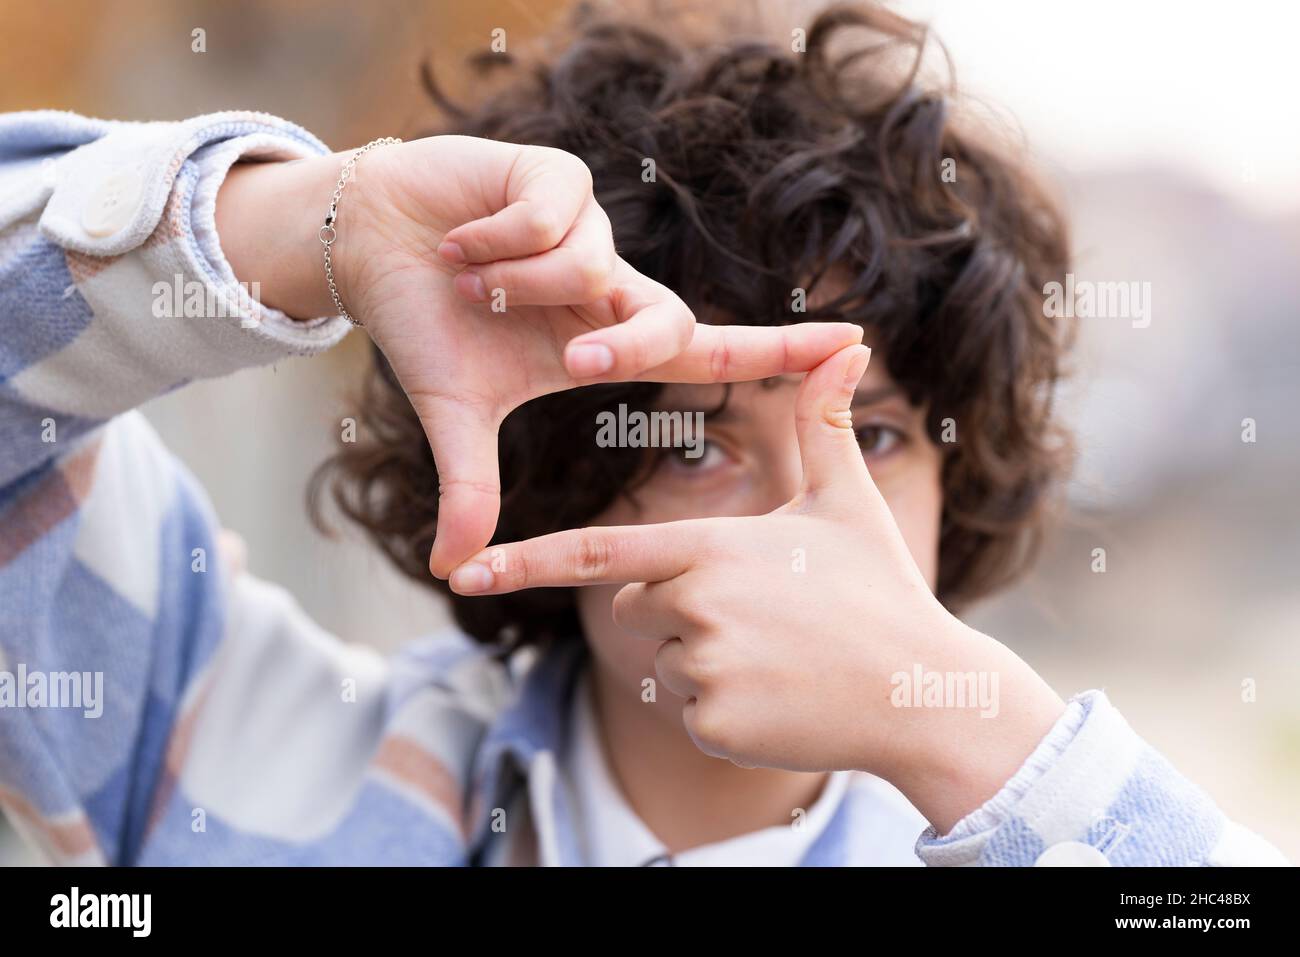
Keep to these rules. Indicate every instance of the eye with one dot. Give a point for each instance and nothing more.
(878, 440)
(703, 458)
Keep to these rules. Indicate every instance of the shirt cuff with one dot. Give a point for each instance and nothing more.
(148, 191)
(997, 809)
(1092, 793)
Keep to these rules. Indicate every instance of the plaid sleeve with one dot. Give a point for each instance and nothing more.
(111, 595)
(1094, 793)
(112, 286)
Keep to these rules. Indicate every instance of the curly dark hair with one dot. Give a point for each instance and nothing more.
(774, 169)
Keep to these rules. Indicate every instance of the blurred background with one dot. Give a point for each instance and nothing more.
(1170, 130)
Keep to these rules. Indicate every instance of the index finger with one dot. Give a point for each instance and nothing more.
(648, 346)
(742, 353)
(600, 555)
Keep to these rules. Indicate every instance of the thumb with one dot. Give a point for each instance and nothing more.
(463, 438)
(828, 445)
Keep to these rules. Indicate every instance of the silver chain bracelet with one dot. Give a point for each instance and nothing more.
(328, 233)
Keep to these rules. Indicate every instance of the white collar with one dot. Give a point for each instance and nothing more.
(613, 836)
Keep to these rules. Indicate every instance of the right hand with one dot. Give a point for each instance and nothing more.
(794, 666)
(429, 234)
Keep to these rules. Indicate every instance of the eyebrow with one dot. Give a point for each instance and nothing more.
(872, 396)
(714, 414)
(727, 412)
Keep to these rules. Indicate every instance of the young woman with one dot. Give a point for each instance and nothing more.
(743, 651)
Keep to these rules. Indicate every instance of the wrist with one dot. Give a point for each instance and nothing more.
(269, 216)
(961, 756)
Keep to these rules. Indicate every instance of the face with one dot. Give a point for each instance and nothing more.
(748, 464)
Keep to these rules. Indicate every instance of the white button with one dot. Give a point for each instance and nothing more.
(1071, 854)
(114, 204)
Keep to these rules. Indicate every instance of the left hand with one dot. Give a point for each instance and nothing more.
(791, 668)
(430, 231)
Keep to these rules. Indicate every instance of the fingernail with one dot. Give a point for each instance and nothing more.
(452, 253)
(589, 358)
(470, 285)
(856, 367)
(471, 578)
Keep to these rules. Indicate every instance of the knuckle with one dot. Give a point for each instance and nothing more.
(592, 277)
(696, 619)
(804, 417)
(684, 328)
(543, 227)
(593, 557)
(625, 604)
(693, 622)
(840, 419)
(634, 350)
(516, 570)
(720, 359)
(702, 667)
(448, 486)
(577, 168)
(663, 655)
(709, 728)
